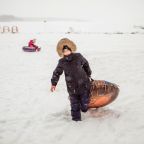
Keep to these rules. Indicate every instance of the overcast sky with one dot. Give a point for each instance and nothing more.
(102, 11)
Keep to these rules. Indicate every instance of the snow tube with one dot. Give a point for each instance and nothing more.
(102, 93)
(29, 49)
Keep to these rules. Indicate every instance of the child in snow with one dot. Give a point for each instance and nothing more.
(77, 75)
(32, 44)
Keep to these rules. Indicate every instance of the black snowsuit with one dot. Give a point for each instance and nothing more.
(77, 75)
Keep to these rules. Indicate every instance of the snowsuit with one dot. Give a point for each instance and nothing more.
(77, 73)
(32, 45)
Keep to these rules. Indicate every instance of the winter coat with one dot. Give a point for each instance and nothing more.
(77, 73)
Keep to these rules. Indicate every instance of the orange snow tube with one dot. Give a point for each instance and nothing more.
(102, 93)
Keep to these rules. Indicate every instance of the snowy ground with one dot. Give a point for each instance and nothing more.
(31, 114)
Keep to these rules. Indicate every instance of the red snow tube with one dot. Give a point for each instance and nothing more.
(29, 49)
(102, 93)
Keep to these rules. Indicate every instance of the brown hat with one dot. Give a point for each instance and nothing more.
(65, 42)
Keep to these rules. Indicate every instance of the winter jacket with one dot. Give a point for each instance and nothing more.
(77, 73)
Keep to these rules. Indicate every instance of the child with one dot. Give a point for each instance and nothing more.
(77, 75)
(32, 45)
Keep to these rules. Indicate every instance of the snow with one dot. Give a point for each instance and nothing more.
(31, 114)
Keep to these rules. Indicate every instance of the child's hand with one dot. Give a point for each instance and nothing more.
(53, 88)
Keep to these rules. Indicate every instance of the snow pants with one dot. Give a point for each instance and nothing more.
(79, 102)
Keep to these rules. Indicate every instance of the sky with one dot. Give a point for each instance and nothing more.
(101, 11)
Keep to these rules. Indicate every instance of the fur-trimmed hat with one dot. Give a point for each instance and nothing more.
(65, 42)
